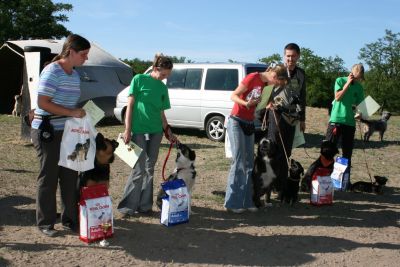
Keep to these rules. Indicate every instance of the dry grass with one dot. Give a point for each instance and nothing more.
(356, 225)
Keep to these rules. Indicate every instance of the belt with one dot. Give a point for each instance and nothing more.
(50, 117)
(240, 119)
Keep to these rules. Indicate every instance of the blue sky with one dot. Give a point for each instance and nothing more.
(218, 30)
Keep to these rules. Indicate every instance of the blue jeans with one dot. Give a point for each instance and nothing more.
(239, 189)
(138, 193)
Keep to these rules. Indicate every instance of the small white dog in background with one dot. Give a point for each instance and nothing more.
(17, 106)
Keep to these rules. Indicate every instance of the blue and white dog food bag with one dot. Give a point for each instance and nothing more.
(175, 205)
(340, 175)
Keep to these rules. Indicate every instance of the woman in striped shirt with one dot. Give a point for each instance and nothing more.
(58, 95)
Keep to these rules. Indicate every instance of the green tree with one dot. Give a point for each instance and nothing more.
(382, 80)
(321, 74)
(274, 58)
(32, 19)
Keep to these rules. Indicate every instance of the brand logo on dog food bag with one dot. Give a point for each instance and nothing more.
(80, 130)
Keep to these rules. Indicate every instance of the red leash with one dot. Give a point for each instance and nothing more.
(166, 159)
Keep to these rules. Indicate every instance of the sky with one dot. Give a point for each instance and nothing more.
(222, 30)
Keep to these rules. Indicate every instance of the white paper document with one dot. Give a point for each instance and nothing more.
(298, 139)
(95, 113)
(129, 153)
(368, 107)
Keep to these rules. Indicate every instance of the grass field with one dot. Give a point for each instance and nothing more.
(357, 230)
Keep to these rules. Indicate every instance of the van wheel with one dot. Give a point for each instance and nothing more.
(215, 128)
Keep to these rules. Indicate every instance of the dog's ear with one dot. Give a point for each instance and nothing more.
(100, 144)
(114, 144)
(192, 155)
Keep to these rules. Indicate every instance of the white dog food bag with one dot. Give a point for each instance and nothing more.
(340, 175)
(321, 187)
(95, 214)
(78, 144)
(175, 206)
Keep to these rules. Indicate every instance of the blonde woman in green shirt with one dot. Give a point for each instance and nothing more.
(145, 123)
(348, 93)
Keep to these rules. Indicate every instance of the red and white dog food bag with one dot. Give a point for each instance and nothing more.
(95, 214)
(321, 187)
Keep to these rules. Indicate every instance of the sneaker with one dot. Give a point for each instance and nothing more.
(123, 216)
(70, 227)
(237, 211)
(252, 209)
(48, 232)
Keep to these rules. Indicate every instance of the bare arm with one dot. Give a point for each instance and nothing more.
(128, 119)
(167, 130)
(45, 103)
(235, 97)
(340, 94)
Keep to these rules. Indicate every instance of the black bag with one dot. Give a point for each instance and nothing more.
(247, 128)
(46, 130)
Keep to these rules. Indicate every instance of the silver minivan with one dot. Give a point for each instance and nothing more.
(199, 94)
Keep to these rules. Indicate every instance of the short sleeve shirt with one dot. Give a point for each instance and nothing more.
(342, 110)
(62, 88)
(151, 98)
(252, 82)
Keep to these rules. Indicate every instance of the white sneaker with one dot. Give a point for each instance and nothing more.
(252, 209)
(237, 211)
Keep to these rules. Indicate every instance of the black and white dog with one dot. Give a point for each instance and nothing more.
(184, 170)
(264, 173)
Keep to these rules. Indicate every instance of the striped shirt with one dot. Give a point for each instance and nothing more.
(62, 88)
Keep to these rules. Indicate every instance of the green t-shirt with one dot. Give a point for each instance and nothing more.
(151, 97)
(342, 111)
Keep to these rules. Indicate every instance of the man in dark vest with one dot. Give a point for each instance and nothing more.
(289, 108)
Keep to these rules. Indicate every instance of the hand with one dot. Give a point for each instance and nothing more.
(78, 113)
(127, 136)
(253, 102)
(303, 126)
(351, 78)
(170, 136)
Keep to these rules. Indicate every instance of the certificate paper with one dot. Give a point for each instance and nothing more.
(298, 139)
(95, 113)
(265, 95)
(129, 153)
(368, 107)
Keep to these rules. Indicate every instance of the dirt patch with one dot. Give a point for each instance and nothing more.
(357, 230)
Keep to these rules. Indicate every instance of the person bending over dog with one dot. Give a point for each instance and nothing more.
(240, 129)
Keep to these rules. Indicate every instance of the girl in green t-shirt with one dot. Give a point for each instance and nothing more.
(145, 123)
(348, 92)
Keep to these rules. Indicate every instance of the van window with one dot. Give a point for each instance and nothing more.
(254, 69)
(185, 78)
(222, 79)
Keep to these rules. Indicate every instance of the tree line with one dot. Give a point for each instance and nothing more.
(42, 19)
